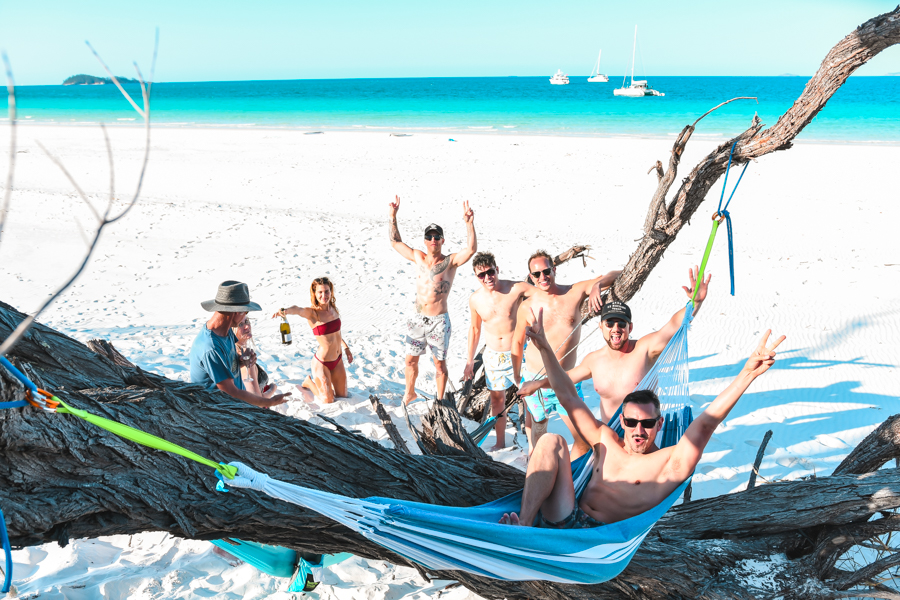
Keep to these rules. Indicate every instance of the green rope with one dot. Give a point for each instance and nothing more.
(143, 438)
(709, 245)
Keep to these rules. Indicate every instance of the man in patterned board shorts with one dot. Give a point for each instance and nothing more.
(430, 326)
(494, 307)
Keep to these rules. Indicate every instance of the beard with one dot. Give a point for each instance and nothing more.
(617, 345)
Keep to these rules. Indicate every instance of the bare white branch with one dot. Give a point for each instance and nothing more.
(116, 81)
(11, 99)
(105, 220)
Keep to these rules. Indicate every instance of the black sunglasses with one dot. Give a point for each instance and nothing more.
(492, 272)
(537, 274)
(429, 237)
(646, 423)
(610, 323)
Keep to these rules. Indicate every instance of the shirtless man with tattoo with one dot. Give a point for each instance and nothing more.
(430, 326)
(494, 307)
(631, 475)
(618, 367)
(562, 316)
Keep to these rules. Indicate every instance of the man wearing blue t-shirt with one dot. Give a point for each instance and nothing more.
(214, 358)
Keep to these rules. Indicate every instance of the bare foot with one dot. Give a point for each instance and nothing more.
(409, 398)
(308, 396)
(509, 519)
(497, 446)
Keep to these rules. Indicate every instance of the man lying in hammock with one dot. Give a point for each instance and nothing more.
(620, 365)
(631, 475)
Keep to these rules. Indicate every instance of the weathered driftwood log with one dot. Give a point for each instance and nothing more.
(62, 478)
(664, 221)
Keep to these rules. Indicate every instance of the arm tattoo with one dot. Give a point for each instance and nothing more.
(394, 231)
(418, 305)
(442, 287)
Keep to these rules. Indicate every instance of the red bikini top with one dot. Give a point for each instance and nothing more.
(329, 327)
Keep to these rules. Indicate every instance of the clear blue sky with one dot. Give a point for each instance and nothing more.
(202, 40)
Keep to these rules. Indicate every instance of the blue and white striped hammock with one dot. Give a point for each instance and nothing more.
(470, 539)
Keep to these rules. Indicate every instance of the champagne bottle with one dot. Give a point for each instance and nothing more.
(285, 329)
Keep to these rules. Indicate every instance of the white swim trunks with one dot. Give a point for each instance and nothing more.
(498, 370)
(434, 332)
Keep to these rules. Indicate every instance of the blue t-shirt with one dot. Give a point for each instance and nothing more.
(214, 359)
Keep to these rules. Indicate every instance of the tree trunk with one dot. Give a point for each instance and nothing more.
(62, 478)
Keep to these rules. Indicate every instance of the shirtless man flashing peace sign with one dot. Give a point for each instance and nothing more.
(430, 326)
(630, 476)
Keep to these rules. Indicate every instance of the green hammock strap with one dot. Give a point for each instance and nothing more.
(143, 438)
(712, 237)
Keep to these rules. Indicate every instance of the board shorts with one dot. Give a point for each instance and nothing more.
(544, 401)
(433, 332)
(498, 370)
(577, 519)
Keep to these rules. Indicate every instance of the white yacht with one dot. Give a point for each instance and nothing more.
(596, 75)
(560, 78)
(639, 88)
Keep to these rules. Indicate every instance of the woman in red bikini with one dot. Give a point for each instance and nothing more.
(329, 378)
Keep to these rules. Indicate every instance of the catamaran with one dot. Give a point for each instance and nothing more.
(637, 89)
(560, 78)
(596, 75)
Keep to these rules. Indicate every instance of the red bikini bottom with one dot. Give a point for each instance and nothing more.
(330, 364)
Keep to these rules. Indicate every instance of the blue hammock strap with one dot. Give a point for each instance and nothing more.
(7, 550)
(723, 214)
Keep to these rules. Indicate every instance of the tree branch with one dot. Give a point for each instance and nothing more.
(664, 223)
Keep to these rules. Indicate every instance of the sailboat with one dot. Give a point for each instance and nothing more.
(596, 75)
(637, 89)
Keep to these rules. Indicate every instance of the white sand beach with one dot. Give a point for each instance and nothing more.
(816, 257)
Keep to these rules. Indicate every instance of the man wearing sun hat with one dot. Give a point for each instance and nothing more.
(214, 358)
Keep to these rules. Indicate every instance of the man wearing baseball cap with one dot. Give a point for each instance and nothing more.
(620, 365)
(430, 326)
(214, 359)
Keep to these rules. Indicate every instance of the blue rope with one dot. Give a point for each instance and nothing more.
(21, 377)
(4, 539)
(723, 211)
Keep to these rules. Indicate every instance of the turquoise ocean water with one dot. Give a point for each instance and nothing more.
(865, 109)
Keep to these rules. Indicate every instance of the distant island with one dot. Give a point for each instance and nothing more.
(788, 75)
(897, 74)
(91, 80)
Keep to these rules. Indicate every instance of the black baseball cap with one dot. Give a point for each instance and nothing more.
(615, 310)
(434, 227)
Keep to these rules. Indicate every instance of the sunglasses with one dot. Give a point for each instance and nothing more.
(645, 423)
(613, 322)
(429, 237)
(492, 272)
(537, 274)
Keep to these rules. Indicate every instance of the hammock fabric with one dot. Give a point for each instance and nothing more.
(445, 538)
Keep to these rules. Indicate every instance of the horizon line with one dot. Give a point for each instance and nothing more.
(779, 76)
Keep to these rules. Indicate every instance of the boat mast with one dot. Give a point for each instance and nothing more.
(633, 48)
(597, 69)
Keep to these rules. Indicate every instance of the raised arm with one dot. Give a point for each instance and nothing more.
(592, 288)
(305, 312)
(582, 419)
(656, 341)
(474, 336)
(394, 232)
(463, 256)
(687, 452)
